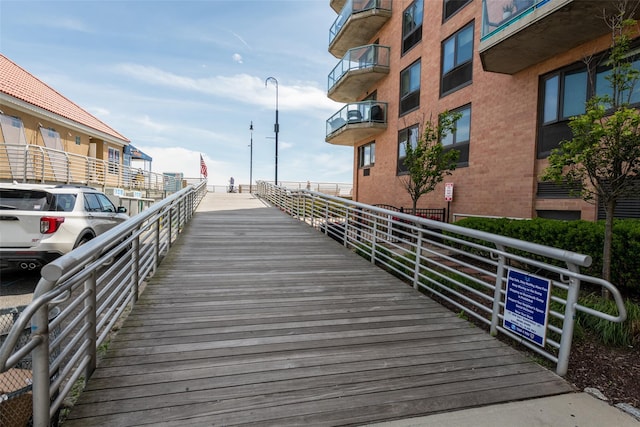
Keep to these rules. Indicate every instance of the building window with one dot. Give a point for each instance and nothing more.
(77, 140)
(412, 25)
(459, 139)
(452, 6)
(457, 60)
(603, 86)
(367, 155)
(409, 135)
(114, 161)
(564, 93)
(410, 88)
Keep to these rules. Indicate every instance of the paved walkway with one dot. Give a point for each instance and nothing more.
(254, 318)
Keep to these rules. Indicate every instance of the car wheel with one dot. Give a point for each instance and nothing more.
(82, 241)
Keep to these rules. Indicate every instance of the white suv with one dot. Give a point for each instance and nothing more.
(39, 223)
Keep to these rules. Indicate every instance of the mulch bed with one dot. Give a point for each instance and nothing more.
(613, 371)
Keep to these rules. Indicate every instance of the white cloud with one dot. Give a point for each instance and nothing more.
(237, 58)
(178, 159)
(244, 88)
(146, 122)
(65, 23)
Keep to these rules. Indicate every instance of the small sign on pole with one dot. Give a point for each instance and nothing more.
(526, 308)
(448, 191)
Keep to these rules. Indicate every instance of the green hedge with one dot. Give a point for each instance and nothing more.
(583, 237)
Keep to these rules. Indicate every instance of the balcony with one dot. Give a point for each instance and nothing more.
(532, 31)
(357, 121)
(337, 5)
(357, 23)
(358, 70)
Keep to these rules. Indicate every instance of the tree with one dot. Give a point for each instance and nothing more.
(426, 160)
(603, 157)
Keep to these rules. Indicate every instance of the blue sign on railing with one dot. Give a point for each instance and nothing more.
(526, 309)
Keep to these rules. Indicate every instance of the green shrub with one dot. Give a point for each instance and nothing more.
(623, 334)
(583, 237)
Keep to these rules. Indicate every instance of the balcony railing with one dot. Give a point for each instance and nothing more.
(357, 121)
(517, 34)
(357, 71)
(337, 5)
(38, 164)
(357, 23)
(497, 14)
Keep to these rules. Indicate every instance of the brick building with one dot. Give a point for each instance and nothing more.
(514, 69)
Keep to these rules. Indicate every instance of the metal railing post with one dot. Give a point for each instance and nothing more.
(40, 366)
(170, 226)
(568, 322)
(92, 334)
(157, 241)
(416, 261)
(42, 177)
(326, 218)
(374, 239)
(68, 164)
(136, 265)
(26, 163)
(345, 238)
(497, 293)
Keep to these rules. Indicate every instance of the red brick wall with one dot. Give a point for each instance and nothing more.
(502, 173)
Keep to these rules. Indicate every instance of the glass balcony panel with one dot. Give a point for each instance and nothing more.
(498, 14)
(356, 121)
(359, 59)
(353, 8)
(522, 33)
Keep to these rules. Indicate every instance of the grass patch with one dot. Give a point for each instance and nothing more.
(621, 334)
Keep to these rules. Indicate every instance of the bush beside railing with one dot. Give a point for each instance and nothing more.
(578, 236)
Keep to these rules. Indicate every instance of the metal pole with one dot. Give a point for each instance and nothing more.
(276, 127)
(251, 159)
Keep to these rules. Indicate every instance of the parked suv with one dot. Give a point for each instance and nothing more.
(39, 223)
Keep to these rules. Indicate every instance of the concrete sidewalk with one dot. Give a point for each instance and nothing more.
(565, 410)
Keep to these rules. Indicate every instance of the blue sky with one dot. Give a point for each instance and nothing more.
(180, 78)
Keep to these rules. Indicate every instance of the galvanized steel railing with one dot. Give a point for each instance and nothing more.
(465, 269)
(81, 297)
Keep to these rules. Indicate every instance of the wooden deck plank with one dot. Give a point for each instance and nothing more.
(254, 318)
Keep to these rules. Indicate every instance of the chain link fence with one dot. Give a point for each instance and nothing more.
(16, 404)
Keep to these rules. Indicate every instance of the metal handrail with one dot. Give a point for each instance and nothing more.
(91, 288)
(464, 268)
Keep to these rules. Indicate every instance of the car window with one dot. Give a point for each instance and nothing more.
(64, 203)
(107, 206)
(21, 199)
(91, 203)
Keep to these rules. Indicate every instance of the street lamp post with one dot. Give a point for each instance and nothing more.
(276, 127)
(251, 159)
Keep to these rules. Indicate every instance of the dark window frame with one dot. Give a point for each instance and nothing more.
(411, 100)
(461, 73)
(552, 132)
(412, 30)
(451, 7)
(463, 145)
(403, 137)
(362, 161)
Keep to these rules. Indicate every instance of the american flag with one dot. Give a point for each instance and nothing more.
(203, 167)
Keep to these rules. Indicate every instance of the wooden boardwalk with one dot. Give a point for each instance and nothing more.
(255, 318)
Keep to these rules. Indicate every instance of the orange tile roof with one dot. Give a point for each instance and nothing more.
(22, 85)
